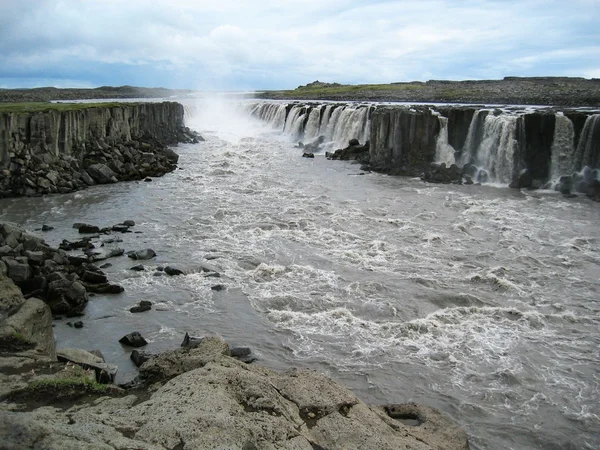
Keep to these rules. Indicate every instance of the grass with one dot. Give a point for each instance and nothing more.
(33, 107)
(66, 385)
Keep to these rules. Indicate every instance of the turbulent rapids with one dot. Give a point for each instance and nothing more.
(479, 300)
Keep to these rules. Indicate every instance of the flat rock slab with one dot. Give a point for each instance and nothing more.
(227, 404)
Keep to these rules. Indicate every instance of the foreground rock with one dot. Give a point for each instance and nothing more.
(223, 403)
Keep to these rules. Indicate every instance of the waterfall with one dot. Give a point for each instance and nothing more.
(294, 122)
(311, 130)
(562, 150)
(474, 137)
(496, 154)
(272, 113)
(336, 123)
(588, 150)
(444, 152)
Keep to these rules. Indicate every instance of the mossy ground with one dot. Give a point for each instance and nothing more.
(33, 107)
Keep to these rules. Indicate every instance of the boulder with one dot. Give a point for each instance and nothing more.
(142, 254)
(104, 373)
(85, 228)
(18, 271)
(172, 271)
(101, 173)
(105, 288)
(94, 277)
(139, 357)
(134, 339)
(27, 327)
(172, 363)
(143, 306)
(308, 155)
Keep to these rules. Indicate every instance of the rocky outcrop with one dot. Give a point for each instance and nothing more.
(60, 279)
(218, 402)
(66, 148)
(403, 139)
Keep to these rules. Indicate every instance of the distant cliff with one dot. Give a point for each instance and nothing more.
(558, 91)
(61, 148)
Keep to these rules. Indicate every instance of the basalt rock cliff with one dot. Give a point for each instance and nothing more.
(66, 148)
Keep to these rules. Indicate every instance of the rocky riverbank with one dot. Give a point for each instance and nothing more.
(558, 91)
(204, 395)
(64, 148)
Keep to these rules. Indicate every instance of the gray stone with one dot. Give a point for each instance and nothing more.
(101, 173)
(142, 254)
(172, 363)
(105, 373)
(18, 271)
(32, 323)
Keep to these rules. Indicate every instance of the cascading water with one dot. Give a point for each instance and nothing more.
(491, 145)
(496, 154)
(444, 152)
(336, 123)
(474, 137)
(562, 147)
(588, 150)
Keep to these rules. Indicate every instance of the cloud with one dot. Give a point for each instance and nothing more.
(273, 44)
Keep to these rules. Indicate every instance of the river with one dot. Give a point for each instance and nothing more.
(481, 301)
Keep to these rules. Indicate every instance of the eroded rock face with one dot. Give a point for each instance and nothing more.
(227, 404)
(63, 151)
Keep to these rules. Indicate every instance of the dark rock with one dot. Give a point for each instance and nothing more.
(565, 185)
(86, 229)
(138, 268)
(190, 341)
(147, 179)
(129, 223)
(218, 287)
(101, 173)
(78, 260)
(308, 155)
(142, 254)
(139, 357)
(524, 181)
(120, 228)
(78, 324)
(172, 271)
(106, 266)
(105, 288)
(353, 142)
(134, 339)
(143, 306)
(237, 352)
(94, 277)
(47, 228)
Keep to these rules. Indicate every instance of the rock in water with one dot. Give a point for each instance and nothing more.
(142, 254)
(143, 306)
(172, 271)
(134, 339)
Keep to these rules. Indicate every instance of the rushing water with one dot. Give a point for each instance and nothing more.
(483, 302)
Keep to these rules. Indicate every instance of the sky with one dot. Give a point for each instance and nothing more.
(280, 44)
